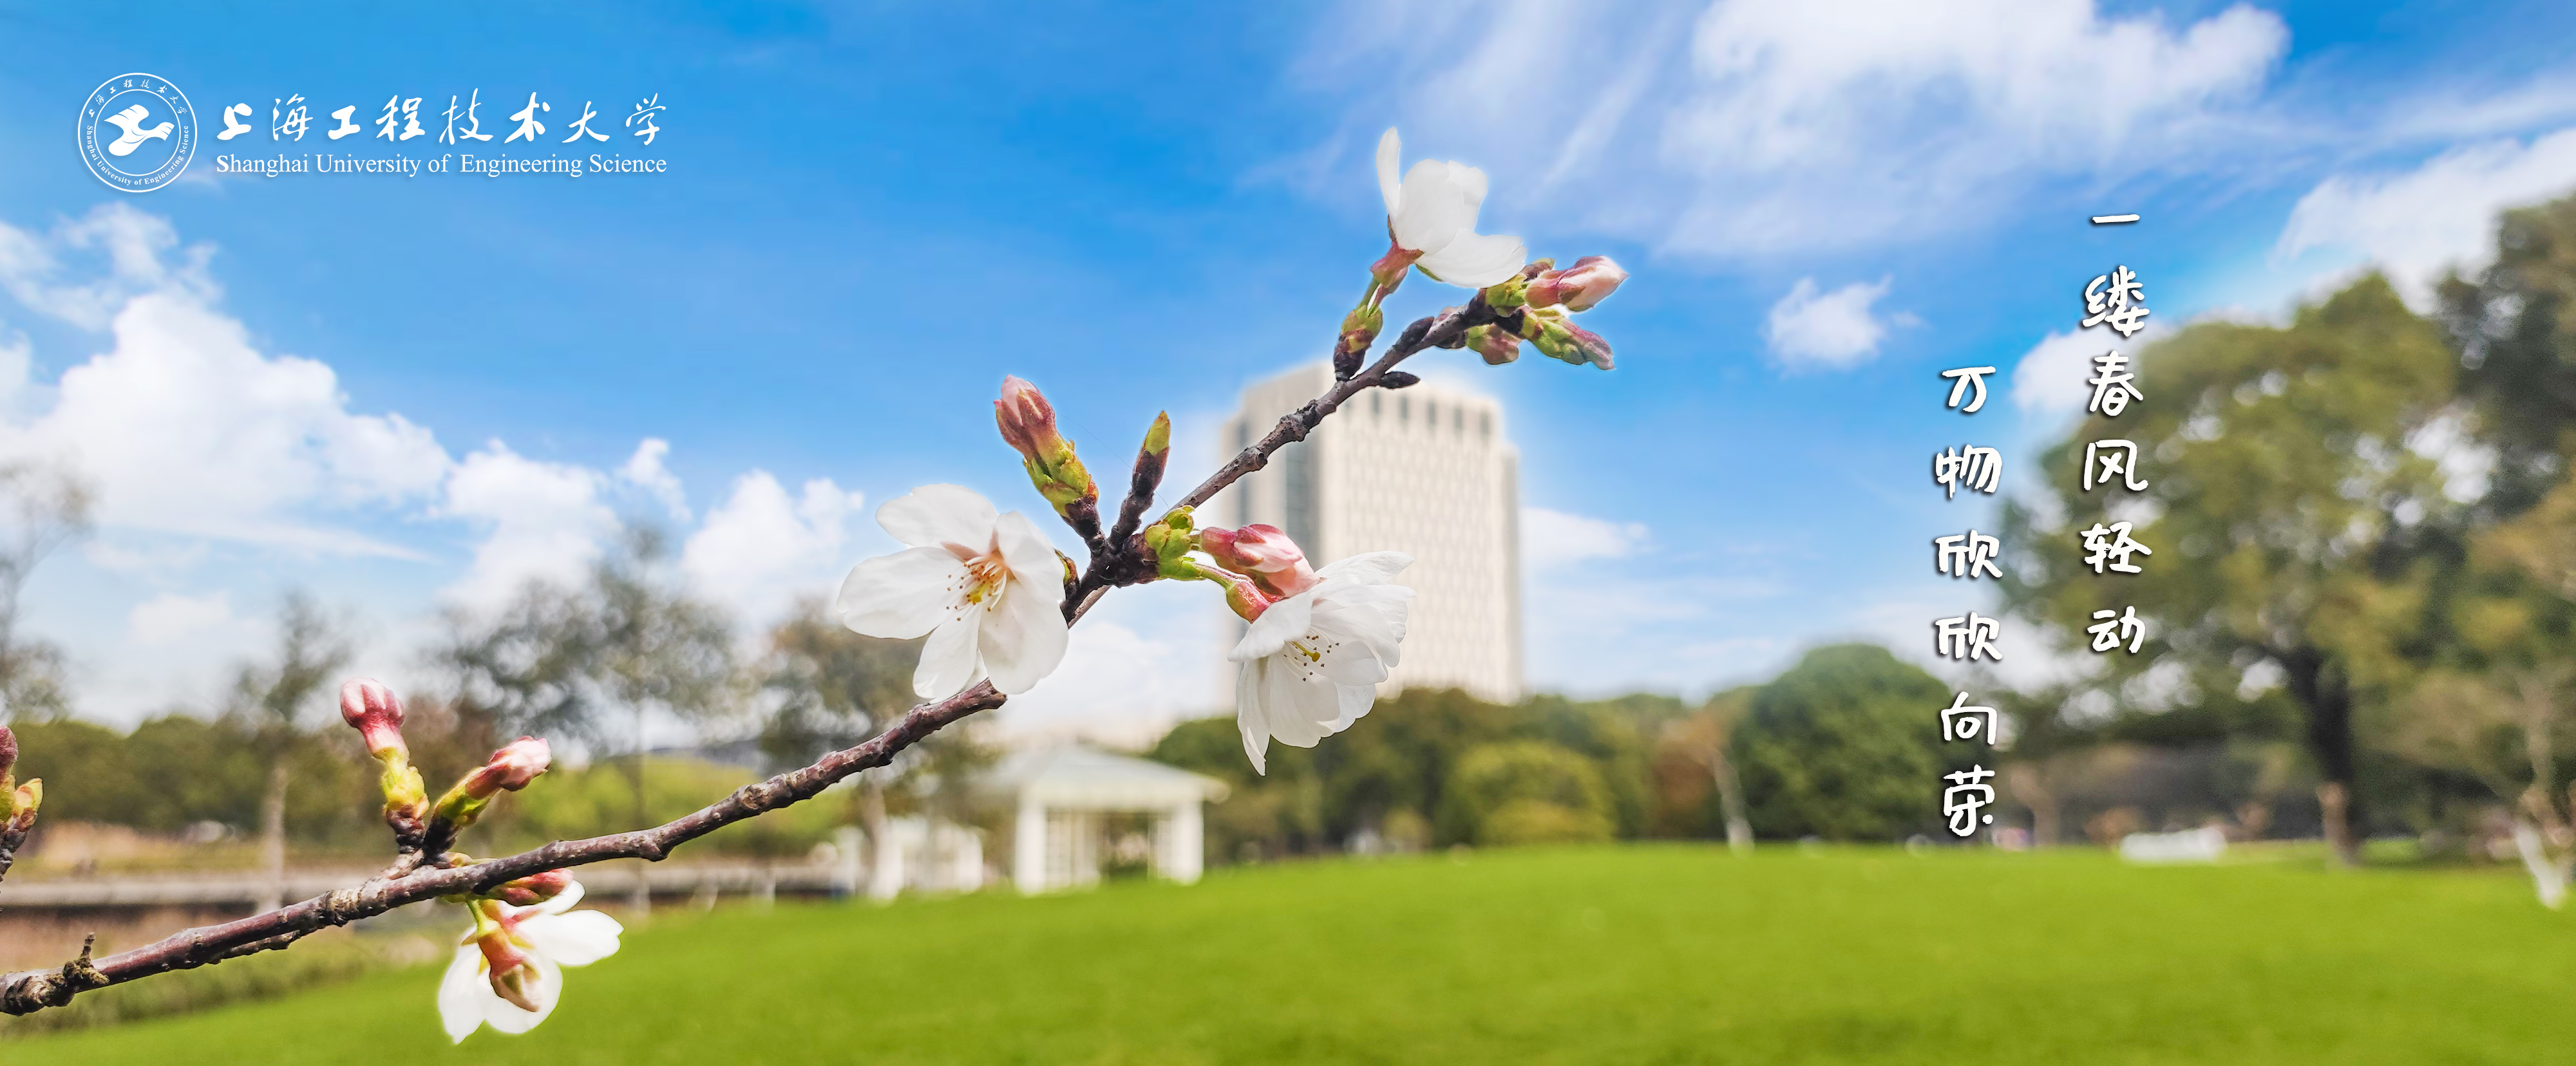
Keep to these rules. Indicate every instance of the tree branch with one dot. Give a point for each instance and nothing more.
(1125, 563)
(34, 990)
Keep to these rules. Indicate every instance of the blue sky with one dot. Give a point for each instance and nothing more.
(873, 212)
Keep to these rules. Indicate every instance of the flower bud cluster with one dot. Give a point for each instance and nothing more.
(1547, 299)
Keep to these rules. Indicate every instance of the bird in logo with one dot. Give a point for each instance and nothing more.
(131, 121)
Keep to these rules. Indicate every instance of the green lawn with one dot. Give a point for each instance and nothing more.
(1632, 955)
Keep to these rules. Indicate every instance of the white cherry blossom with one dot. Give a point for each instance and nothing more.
(1312, 662)
(986, 587)
(1431, 212)
(535, 943)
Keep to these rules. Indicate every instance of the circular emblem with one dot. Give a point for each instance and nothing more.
(137, 132)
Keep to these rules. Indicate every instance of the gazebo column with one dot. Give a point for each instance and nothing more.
(1029, 847)
(1180, 840)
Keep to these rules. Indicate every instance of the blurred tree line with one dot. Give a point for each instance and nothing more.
(1834, 747)
(594, 666)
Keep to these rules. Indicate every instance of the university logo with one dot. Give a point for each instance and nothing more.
(137, 132)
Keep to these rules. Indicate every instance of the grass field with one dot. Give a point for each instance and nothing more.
(1632, 955)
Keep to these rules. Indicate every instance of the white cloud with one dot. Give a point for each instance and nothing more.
(2050, 378)
(171, 618)
(1551, 539)
(1834, 330)
(2420, 223)
(763, 550)
(1748, 126)
(644, 470)
(545, 520)
(117, 253)
(182, 426)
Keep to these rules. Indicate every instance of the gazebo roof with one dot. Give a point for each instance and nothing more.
(1075, 776)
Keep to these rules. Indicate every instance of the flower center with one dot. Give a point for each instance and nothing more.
(985, 571)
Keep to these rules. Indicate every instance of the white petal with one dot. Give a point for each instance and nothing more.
(1348, 659)
(1317, 702)
(1250, 718)
(933, 515)
(577, 939)
(1356, 701)
(1390, 149)
(1284, 621)
(1282, 697)
(563, 900)
(1435, 209)
(902, 595)
(1023, 638)
(1473, 261)
(1368, 568)
(461, 991)
(506, 1017)
(1368, 615)
(1027, 553)
(949, 662)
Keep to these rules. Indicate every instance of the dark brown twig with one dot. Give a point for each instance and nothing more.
(33, 990)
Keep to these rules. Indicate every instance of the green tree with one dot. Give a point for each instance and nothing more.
(1845, 746)
(2514, 328)
(2501, 706)
(1526, 792)
(2292, 518)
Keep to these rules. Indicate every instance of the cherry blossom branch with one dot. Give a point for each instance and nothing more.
(1125, 560)
(423, 868)
(29, 991)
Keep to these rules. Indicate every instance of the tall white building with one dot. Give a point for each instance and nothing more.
(1426, 471)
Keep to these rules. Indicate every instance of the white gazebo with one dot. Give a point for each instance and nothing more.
(1061, 795)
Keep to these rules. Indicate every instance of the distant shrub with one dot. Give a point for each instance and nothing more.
(1526, 792)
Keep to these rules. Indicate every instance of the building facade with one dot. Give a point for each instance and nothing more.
(1426, 471)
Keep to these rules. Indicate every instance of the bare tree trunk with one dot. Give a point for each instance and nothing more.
(2548, 876)
(2028, 787)
(2319, 687)
(1730, 802)
(272, 837)
(2335, 802)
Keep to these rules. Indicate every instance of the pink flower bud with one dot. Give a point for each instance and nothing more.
(371, 707)
(509, 769)
(1027, 422)
(1262, 553)
(1026, 418)
(1588, 282)
(533, 889)
(8, 752)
